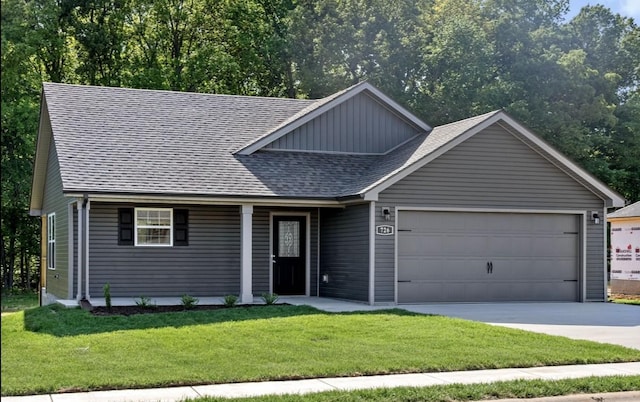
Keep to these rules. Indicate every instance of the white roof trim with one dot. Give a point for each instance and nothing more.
(348, 94)
(43, 143)
(177, 199)
(372, 192)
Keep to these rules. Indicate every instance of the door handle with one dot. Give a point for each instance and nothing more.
(489, 267)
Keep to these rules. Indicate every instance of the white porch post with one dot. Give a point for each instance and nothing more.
(246, 291)
(86, 249)
(80, 241)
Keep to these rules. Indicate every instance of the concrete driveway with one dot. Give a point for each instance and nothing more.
(600, 322)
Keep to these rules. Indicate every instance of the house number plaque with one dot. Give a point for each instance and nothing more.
(384, 230)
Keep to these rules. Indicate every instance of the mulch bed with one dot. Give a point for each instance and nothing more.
(131, 310)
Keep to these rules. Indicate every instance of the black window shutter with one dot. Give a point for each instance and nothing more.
(125, 226)
(180, 227)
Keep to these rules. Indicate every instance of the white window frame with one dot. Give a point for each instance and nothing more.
(136, 227)
(51, 241)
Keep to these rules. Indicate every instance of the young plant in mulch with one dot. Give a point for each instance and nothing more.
(144, 301)
(106, 290)
(270, 298)
(230, 300)
(189, 302)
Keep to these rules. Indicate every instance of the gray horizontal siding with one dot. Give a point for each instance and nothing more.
(359, 125)
(57, 281)
(208, 266)
(493, 169)
(344, 252)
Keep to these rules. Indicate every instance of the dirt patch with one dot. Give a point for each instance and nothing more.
(131, 310)
(614, 296)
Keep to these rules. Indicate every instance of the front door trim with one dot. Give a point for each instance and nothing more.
(307, 261)
(582, 274)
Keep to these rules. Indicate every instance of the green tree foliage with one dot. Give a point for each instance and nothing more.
(576, 83)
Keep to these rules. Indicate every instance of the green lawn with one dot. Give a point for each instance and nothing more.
(635, 302)
(18, 300)
(460, 392)
(52, 349)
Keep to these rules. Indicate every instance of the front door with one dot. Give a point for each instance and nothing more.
(289, 258)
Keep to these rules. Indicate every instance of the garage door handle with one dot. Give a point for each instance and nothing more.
(570, 280)
(489, 267)
(403, 281)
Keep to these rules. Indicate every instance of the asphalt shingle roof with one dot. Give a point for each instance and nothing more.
(117, 140)
(630, 211)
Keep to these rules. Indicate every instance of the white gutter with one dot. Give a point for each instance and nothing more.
(79, 206)
(86, 245)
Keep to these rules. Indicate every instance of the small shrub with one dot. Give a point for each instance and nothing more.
(189, 302)
(144, 301)
(270, 298)
(230, 300)
(106, 290)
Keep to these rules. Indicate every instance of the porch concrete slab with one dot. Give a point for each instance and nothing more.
(129, 395)
(244, 390)
(383, 381)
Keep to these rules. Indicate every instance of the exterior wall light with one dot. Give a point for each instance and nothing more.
(386, 213)
(595, 217)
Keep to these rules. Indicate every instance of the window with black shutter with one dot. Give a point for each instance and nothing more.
(180, 227)
(125, 226)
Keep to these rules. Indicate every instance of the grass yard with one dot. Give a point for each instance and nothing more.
(18, 300)
(53, 349)
(461, 392)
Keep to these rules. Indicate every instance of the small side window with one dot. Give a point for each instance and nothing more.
(51, 241)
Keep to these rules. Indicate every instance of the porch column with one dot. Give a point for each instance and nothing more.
(246, 292)
(80, 241)
(86, 249)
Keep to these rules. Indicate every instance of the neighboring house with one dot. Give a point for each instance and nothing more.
(164, 193)
(625, 250)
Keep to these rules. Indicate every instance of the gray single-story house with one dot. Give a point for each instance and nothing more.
(162, 194)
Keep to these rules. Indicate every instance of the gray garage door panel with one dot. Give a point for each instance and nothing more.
(443, 256)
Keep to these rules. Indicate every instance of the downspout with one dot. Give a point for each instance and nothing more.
(83, 249)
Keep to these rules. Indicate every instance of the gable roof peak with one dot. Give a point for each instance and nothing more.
(323, 105)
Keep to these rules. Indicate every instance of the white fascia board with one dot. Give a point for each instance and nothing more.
(371, 193)
(41, 159)
(391, 104)
(150, 199)
(616, 199)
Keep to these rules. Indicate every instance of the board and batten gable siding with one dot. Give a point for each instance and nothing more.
(261, 252)
(359, 125)
(344, 252)
(491, 170)
(54, 201)
(208, 267)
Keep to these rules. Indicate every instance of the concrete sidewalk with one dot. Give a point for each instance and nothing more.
(300, 387)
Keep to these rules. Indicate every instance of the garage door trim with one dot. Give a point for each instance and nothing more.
(583, 235)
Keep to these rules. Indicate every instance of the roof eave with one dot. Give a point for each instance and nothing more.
(38, 177)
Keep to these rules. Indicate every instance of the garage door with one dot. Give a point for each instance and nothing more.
(485, 257)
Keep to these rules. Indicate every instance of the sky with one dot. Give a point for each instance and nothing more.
(626, 8)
